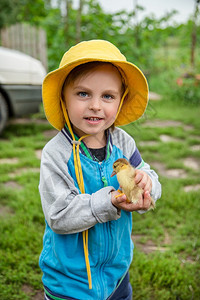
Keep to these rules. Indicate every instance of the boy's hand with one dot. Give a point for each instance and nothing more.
(121, 202)
(143, 180)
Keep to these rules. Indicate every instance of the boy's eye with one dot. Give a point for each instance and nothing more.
(82, 94)
(108, 97)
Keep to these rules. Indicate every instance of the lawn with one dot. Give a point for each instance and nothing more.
(166, 257)
(166, 264)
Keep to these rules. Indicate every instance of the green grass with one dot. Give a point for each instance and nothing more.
(163, 275)
(22, 221)
(174, 273)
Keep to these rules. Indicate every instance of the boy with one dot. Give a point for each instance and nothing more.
(88, 230)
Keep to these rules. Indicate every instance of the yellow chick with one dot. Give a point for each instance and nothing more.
(125, 176)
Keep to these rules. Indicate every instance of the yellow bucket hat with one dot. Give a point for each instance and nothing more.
(133, 106)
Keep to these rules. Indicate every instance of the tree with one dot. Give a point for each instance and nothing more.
(9, 10)
(194, 33)
(78, 21)
(31, 11)
(65, 26)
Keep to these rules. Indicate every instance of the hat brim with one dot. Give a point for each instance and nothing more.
(132, 109)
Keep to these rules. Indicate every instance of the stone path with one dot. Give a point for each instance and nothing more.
(189, 162)
(166, 123)
(154, 96)
(28, 290)
(149, 246)
(189, 188)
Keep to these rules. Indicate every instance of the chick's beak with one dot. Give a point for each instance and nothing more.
(113, 174)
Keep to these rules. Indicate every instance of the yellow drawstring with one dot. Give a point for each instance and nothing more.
(79, 177)
(86, 253)
(121, 102)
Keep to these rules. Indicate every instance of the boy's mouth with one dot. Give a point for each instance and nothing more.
(93, 119)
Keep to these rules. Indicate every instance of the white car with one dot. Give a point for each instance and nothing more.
(21, 78)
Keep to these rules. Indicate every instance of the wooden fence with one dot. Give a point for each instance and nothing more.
(27, 39)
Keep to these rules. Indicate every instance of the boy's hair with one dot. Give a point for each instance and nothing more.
(86, 68)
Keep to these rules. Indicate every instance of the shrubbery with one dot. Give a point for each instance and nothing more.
(187, 90)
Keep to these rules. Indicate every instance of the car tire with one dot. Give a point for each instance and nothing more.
(3, 113)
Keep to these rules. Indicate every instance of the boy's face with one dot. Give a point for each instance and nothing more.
(92, 101)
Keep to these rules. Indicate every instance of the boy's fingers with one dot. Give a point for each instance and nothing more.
(122, 198)
(147, 196)
(138, 177)
(143, 180)
(147, 200)
(143, 203)
(117, 200)
(148, 186)
(142, 183)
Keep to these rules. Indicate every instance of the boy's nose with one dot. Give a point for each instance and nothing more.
(95, 104)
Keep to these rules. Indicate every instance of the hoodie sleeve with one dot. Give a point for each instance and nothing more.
(66, 210)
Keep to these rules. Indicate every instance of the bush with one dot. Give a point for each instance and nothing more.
(187, 90)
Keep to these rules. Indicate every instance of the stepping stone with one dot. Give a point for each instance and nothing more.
(166, 123)
(148, 143)
(5, 210)
(167, 139)
(190, 188)
(169, 173)
(188, 127)
(195, 137)
(154, 96)
(162, 124)
(159, 167)
(195, 148)
(27, 121)
(167, 240)
(38, 153)
(22, 171)
(12, 185)
(9, 161)
(29, 290)
(175, 173)
(148, 246)
(192, 163)
(50, 133)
